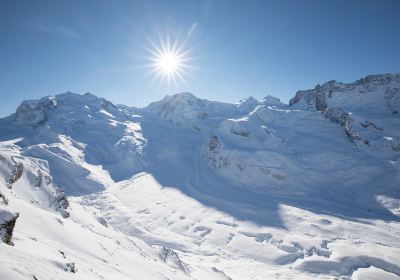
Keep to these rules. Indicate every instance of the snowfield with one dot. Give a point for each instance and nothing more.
(188, 188)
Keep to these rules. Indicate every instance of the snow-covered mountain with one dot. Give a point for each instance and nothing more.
(187, 188)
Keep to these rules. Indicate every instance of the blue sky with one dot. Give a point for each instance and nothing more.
(239, 48)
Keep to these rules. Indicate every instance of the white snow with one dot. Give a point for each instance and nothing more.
(188, 188)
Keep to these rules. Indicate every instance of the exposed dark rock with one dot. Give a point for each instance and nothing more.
(320, 103)
(70, 267)
(61, 202)
(380, 79)
(3, 199)
(367, 124)
(7, 224)
(34, 113)
(395, 146)
(214, 143)
(217, 161)
(339, 116)
(102, 221)
(171, 258)
(351, 134)
(240, 132)
(315, 99)
(16, 173)
(62, 253)
(38, 182)
(202, 115)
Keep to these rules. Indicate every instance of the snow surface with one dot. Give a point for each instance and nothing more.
(188, 188)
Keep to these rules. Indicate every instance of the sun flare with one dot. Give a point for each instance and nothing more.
(169, 61)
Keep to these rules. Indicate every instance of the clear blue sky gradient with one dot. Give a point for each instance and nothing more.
(240, 48)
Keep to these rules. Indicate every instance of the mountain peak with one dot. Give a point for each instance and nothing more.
(356, 93)
(36, 112)
(271, 100)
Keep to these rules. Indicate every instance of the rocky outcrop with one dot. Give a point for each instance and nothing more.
(341, 117)
(216, 160)
(214, 143)
(346, 104)
(39, 179)
(7, 224)
(34, 113)
(316, 99)
(3, 199)
(61, 202)
(378, 80)
(70, 267)
(368, 124)
(171, 258)
(16, 173)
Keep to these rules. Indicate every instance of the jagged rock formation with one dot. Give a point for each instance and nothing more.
(70, 267)
(171, 258)
(34, 113)
(354, 105)
(16, 173)
(61, 202)
(7, 224)
(3, 199)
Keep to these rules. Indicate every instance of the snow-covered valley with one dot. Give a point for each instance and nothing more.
(187, 188)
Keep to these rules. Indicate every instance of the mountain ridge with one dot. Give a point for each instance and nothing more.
(187, 188)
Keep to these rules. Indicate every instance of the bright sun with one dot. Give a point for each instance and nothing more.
(168, 61)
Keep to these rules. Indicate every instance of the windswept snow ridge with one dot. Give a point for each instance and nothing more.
(188, 188)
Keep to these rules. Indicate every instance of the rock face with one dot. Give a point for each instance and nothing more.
(171, 258)
(7, 224)
(339, 116)
(33, 113)
(16, 173)
(61, 202)
(385, 87)
(363, 108)
(3, 199)
(29, 178)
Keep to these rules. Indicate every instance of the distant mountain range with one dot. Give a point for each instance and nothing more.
(188, 188)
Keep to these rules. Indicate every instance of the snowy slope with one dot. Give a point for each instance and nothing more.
(87, 135)
(80, 245)
(191, 188)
